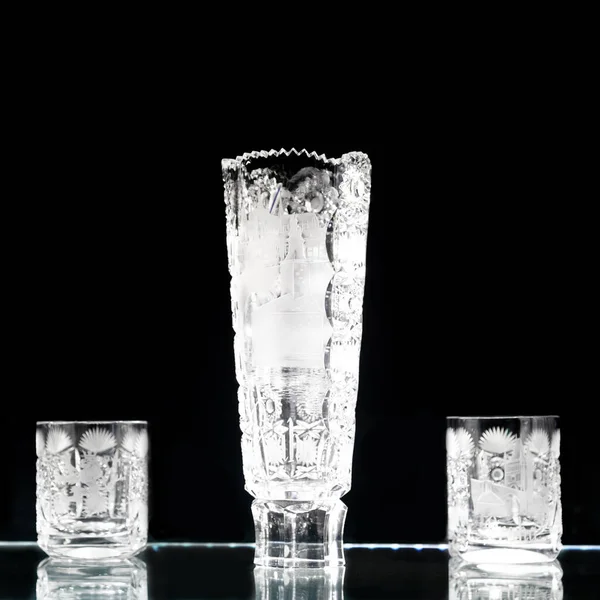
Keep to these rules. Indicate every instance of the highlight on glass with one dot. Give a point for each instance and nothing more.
(504, 499)
(296, 227)
(92, 488)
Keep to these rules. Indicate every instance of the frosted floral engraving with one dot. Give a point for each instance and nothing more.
(505, 489)
(91, 486)
(296, 236)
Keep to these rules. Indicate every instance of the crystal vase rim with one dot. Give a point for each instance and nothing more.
(502, 417)
(240, 159)
(118, 422)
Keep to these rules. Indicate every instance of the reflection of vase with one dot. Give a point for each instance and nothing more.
(316, 584)
(59, 579)
(476, 582)
(296, 236)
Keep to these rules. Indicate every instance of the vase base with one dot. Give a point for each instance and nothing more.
(299, 534)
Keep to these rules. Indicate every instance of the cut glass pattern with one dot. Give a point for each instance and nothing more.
(92, 488)
(504, 488)
(296, 236)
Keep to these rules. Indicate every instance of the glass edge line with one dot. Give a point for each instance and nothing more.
(349, 545)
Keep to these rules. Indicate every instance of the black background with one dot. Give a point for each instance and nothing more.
(477, 301)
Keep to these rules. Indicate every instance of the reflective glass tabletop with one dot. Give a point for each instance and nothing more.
(203, 571)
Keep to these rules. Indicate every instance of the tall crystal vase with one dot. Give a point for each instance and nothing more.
(296, 238)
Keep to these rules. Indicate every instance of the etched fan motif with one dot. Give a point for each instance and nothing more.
(136, 443)
(556, 443)
(142, 444)
(538, 441)
(129, 441)
(97, 440)
(459, 443)
(497, 440)
(40, 443)
(58, 440)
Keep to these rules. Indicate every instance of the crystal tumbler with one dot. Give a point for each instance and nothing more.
(504, 489)
(61, 579)
(296, 238)
(92, 488)
(515, 582)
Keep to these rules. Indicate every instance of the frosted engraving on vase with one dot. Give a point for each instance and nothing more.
(504, 490)
(91, 489)
(296, 236)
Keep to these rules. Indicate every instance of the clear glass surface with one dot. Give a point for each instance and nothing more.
(92, 488)
(296, 236)
(504, 498)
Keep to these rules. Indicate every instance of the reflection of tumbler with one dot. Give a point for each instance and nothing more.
(296, 584)
(529, 582)
(504, 489)
(296, 237)
(65, 579)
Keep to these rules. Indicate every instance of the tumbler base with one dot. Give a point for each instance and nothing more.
(299, 534)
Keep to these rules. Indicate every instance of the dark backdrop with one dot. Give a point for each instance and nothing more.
(476, 301)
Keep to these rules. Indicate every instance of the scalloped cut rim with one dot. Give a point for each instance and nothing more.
(239, 160)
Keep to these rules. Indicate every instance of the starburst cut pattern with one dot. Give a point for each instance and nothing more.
(58, 440)
(538, 441)
(459, 443)
(97, 440)
(136, 443)
(497, 440)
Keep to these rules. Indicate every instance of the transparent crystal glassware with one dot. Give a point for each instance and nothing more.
(92, 488)
(296, 237)
(271, 583)
(472, 582)
(62, 579)
(504, 503)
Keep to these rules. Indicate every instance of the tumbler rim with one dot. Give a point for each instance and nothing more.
(118, 422)
(502, 417)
